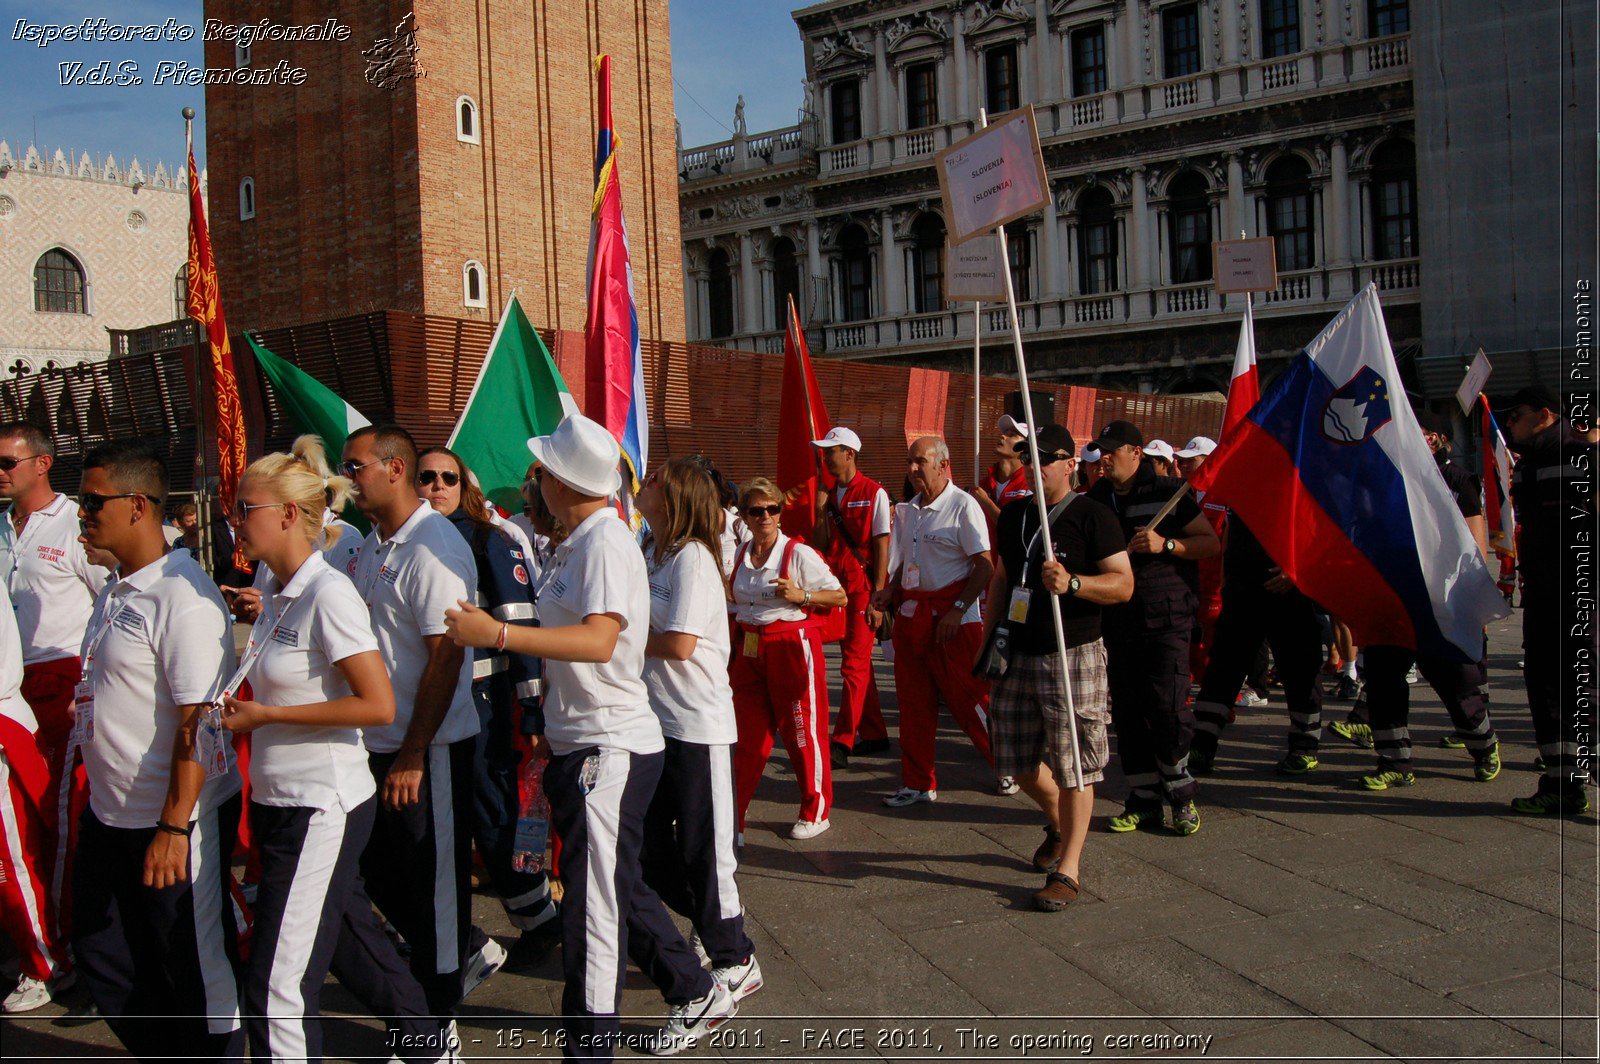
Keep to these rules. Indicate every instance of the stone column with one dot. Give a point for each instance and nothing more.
(1049, 283)
(1133, 44)
(1138, 224)
(1045, 63)
(691, 302)
(1239, 217)
(941, 81)
(962, 111)
(1337, 203)
(749, 286)
(702, 296)
(814, 264)
(893, 270)
(885, 92)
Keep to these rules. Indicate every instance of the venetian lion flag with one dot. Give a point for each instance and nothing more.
(519, 393)
(613, 363)
(1497, 511)
(204, 304)
(1330, 472)
(801, 419)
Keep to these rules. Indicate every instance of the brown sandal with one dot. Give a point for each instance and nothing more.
(1059, 892)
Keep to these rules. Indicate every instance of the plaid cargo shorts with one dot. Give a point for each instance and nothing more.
(1028, 715)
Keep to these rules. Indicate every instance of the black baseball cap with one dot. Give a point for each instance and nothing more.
(1052, 437)
(1118, 434)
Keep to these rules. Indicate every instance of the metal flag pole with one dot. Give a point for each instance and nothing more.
(1038, 496)
(202, 497)
(977, 364)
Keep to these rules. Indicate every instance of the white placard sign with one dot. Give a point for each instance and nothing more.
(992, 177)
(972, 271)
(1477, 377)
(1245, 265)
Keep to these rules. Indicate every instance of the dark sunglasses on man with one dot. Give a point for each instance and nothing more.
(444, 476)
(8, 464)
(1046, 458)
(90, 503)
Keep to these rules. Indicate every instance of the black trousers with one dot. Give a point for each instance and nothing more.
(1559, 671)
(417, 866)
(496, 805)
(159, 963)
(312, 914)
(1288, 623)
(1461, 687)
(688, 855)
(1147, 668)
(598, 800)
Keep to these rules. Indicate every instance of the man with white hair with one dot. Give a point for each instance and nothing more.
(944, 566)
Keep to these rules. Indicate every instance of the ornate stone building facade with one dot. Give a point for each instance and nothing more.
(85, 246)
(1165, 124)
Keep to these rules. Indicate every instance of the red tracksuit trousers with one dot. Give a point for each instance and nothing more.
(26, 856)
(47, 687)
(782, 691)
(926, 669)
(859, 715)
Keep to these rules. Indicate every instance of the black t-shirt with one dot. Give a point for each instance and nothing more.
(1081, 535)
(1155, 576)
(1466, 487)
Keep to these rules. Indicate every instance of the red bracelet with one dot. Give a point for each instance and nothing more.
(500, 643)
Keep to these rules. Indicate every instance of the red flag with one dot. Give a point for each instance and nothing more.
(1497, 463)
(1244, 391)
(801, 419)
(205, 306)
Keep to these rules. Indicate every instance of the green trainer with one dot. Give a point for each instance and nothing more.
(1391, 778)
(1297, 764)
(1452, 742)
(1202, 761)
(1359, 734)
(1136, 815)
(1551, 802)
(1487, 767)
(1185, 817)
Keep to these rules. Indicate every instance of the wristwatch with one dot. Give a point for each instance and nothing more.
(1073, 584)
(961, 607)
(1169, 546)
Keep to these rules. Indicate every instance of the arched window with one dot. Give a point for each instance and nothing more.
(1097, 243)
(473, 289)
(720, 295)
(180, 293)
(1289, 212)
(1189, 223)
(247, 199)
(58, 284)
(855, 265)
(785, 279)
(467, 120)
(1394, 201)
(927, 263)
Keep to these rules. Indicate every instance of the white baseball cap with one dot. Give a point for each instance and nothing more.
(1200, 445)
(1011, 426)
(1159, 449)
(1090, 453)
(582, 455)
(839, 437)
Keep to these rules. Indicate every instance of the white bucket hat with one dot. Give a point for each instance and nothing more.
(582, 455)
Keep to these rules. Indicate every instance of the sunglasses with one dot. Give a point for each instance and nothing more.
(241, 513)
(350, 469)
(1048, 458)
(444, 476)
(90, 503)
(762, 511)
(8, 464)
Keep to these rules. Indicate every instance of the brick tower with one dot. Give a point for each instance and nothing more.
(466, 175)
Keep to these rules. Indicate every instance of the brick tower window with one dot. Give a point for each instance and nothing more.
(472, 286)
(247, 199)
(467, 128)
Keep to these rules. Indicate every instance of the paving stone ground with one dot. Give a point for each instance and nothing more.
(1308, 920)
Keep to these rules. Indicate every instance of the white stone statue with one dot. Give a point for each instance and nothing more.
(738, 117)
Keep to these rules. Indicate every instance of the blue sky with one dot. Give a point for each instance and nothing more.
(721, 48)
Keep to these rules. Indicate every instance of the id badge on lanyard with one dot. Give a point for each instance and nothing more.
(752, 644)
(1018, 611)
(83, 713)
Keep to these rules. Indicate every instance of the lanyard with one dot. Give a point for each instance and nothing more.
(260, 633)
(1027, 550)
(100, 633)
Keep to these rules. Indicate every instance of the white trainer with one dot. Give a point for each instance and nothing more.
(809, 829)
(741, 980)
(1007, 785)
(909, 796)
(481, 965)
(687, 1024)
(33, 993)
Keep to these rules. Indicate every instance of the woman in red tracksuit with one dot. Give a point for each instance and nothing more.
(778, 675)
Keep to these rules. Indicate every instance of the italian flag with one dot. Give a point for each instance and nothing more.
(312, 405)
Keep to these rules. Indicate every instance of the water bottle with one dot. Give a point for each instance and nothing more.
(533, 818)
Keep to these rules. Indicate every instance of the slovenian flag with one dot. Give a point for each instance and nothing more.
(1244, 391)
(613, 364)
(1500, 518)
(1330, 472)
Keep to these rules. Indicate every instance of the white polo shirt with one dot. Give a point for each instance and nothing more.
(939, 539)
(407, 582)
(52, 584)
(11, 702)
(599, 569)
(167, 642)
(692, 698)
(755, 588)
(341, 555)
(307, 626)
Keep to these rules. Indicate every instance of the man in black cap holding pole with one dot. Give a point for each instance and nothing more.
(1147, 638)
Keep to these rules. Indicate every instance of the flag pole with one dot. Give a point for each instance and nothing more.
(1038, 497)
(202, 497)
(977, 365)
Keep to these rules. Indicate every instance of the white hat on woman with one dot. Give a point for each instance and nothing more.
(582, 455)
